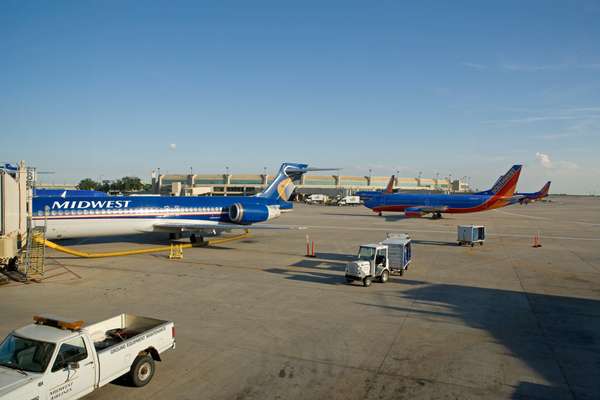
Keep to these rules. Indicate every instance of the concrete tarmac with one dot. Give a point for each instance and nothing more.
(256, 319)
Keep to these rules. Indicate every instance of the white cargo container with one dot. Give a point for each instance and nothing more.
(400, 251)
(470, 234)
(316, 199)
(349, 201)
(55, 358)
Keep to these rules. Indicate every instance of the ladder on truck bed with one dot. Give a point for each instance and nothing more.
(33, 255)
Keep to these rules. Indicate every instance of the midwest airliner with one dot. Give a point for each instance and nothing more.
(198, 217)
(418, 205)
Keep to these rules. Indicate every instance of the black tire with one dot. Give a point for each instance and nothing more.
(13, 264)
(472, 244)
(367, 281)
(142, 370)
(385, 276)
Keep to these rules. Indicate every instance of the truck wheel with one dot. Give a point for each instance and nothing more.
(13, 264)
(142, 370)
(367, 281)
(384, 277)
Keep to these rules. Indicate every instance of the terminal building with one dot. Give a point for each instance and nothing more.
(331, 185)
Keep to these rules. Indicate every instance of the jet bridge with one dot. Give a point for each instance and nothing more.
(16, 184)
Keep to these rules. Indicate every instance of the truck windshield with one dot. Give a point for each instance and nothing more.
(25, 354)
(366, 253)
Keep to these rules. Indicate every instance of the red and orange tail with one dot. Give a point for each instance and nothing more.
(545, 189)
(390, 186)
(506, 185)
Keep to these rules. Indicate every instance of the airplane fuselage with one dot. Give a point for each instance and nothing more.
(77, 217)
(451, 203)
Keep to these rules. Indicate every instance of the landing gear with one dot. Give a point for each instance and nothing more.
(436, 215)
(380, 214)
(197, 239)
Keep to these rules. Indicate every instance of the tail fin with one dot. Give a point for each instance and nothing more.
(283, 186)
(506, 184)
(390, 186)
(544, 191)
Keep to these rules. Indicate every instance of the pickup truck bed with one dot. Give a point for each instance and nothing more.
(119, 339)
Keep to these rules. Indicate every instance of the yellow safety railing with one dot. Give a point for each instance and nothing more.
(157, 249)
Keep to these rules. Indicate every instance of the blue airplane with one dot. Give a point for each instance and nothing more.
(525, 198)
(418, 205)
(77, 217)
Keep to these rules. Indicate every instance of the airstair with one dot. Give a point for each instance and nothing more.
(32, 258)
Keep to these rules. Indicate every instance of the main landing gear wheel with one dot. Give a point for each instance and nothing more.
(142, 370)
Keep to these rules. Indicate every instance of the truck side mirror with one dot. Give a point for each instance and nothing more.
(72, 365)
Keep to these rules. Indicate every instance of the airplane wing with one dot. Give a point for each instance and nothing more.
(201, 226)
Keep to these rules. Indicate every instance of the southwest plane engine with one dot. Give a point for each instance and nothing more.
(251, 213)
(413, 212)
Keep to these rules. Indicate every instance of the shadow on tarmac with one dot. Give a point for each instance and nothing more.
(557, 337)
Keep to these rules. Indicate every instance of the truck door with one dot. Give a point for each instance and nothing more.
(380, 260)
(72, 374)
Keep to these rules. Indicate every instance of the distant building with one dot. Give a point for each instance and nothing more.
(250, 184)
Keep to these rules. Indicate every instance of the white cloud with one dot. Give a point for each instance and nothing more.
(558, 166)
(533, 68)
(543, 160)
(172, 146)
(474, 65)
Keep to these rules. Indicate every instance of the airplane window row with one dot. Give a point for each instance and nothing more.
(132, 211)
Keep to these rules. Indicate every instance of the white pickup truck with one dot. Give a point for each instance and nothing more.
(54, 358)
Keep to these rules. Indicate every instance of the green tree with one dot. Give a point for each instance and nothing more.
(87, 184)
(131, 183)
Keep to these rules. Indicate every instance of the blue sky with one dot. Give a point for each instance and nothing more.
(104, 88)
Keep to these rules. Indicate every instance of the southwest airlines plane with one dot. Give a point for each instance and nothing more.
(418, 205)
(77, 217)
(535, 196)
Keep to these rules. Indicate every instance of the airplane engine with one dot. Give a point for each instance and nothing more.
(413, 213)
(248, 214)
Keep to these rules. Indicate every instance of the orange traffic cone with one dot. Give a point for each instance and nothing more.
(536, 240)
